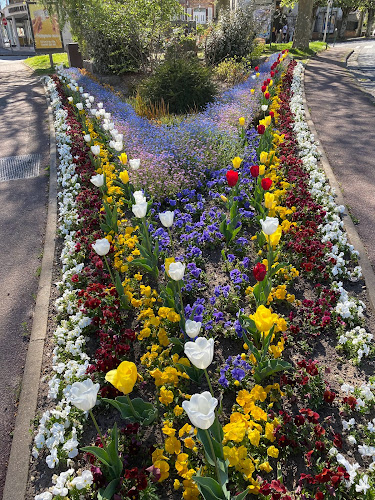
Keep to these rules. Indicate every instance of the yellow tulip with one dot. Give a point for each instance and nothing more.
(237, 161)
(123, 158)
(167, 263)
(242, 121)
(264, 319)
(274, 239)
(124, 377)
(269, 200)
(252, 91)
(224, 198)
(124, 176)
(262, 169)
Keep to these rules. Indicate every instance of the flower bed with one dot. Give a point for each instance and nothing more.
(203, 314)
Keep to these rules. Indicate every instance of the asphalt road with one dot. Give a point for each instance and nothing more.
(362, 63)
(23, 132)
(344, 117)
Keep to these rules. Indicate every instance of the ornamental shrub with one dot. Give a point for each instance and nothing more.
(183, 84)
(231, 71)
(232, 37)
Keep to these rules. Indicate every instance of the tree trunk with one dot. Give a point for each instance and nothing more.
(313, 17)
(370, 19)
(303, 25)
(344, 21)
(360, 23)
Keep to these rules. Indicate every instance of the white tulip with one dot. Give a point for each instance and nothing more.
(139, 197)
(95, 150)
(166, 218)
(140, 209)
(105, 126)
(100, 105)
(80, 90)
(118, 146)
(70, 99)
(85, 95)
(200, 352)
(97, 114)
(201, 410)
(87, 137)
(88, 105)
(192, 328)
(111, 126)
(176, 271)
(83, 394)
(114, 132)
(134, 163)
(93, 111)
(97, 180)
(102, 246)
(264, 107)
(269, 225)
(91, 98)
(119, 137)
(79, 106)
(102, 112)
(107, 116)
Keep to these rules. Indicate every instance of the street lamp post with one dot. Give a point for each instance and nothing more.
(329, 5)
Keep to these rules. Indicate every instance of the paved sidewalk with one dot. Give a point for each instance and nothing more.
(23, 132)
(344, 117)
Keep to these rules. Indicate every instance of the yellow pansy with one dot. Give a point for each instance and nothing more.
(166, 397)
(254, 437)
(273, 452)
(172, 445)
(164, 469)
(189, 443)
(265, 466)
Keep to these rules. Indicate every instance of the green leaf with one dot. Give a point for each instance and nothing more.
(242, 495)
(210, 489)
(99, 453)
(267, 368)
(195, 374)
(107, 494)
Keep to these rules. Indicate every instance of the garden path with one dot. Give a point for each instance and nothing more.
(23, 197)
(345, 121)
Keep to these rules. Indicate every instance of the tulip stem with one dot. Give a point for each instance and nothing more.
(182, 304)
(109, 270)
(97, 429)
(135, 414)
(171, 240)
(209, 383)
(213, 454)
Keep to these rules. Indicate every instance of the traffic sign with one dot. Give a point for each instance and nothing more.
(5, 22)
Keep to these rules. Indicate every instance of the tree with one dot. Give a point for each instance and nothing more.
(303, 25)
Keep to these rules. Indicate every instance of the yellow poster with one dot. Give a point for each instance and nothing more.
(46, 29)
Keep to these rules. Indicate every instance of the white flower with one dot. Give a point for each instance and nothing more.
(44, 496)
(70, 99)
(118, 146)
(83, 394)
(95, 150)
(134, 163)
(166, 218)
(200, 352)
(140, 209)
(201, 409)
(363, 484)
(102, 246)
(269, 225)
(352, 440)
(80, 482)
(176, 270)
(91, 98)
(139, 197)
(100, 105)
(79, 106)
(264, 107)
(97, 180)
(87, 137)
(52, 459)
(192, 328)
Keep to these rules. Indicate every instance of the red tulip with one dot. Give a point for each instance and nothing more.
(259, 271)
(264, 88)
(268, 80)
(272, 73)
(267, 95)
(272, 114)
(261, 129)
(266, 183)
(256, 68)
(232, 177)
(254, 170)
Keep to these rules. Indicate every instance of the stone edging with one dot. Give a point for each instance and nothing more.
(19, 460)
(355, 240)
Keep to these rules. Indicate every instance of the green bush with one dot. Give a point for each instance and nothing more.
(231, 71)
(183, 84)
(232, 37)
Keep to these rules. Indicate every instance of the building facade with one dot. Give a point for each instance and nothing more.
(200, 11)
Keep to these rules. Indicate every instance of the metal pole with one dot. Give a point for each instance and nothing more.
(329, 4)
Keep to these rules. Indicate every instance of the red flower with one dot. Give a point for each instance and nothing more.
(272, 73)
(319, 495)
(254, 170)
(266, 183)
(267, 95)
(272, 114)
(337, 441)
(268, 80)
(329, 396)
(256, 68)
(232, 177)
(264, 88)
(261, 129)
(259, 271)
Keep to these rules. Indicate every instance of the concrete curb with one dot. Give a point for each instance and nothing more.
(19, 460)
(355, 240)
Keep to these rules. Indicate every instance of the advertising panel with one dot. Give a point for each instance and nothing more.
(45, 28)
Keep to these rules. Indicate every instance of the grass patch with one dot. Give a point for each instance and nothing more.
(41, 65)
(314, 47)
